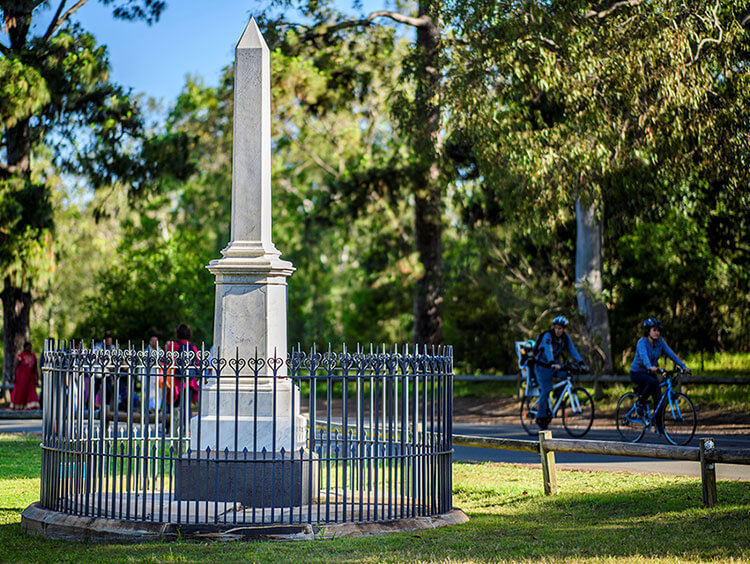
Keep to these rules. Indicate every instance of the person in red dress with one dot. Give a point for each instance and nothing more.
(24, 394)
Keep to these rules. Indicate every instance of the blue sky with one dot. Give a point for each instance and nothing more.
(192, 37)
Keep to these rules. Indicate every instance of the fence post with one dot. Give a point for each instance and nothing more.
(549, 475)
(598, 388)
(708, 474)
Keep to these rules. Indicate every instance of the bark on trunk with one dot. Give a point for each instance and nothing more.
(16, 300)
(428, 216)
(589, 279)
(16, 310)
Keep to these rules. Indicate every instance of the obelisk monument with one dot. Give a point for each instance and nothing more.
(251, 283)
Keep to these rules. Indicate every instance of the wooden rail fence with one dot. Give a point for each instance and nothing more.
(708, 454)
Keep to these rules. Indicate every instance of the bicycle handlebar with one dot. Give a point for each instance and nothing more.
(574, 368)
(668, 373)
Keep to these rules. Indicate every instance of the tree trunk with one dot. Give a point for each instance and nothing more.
(16, 310)
(589, 279)
(16, 301)
(428, 216)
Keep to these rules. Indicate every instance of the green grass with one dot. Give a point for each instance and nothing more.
(596, 517)
(720, 364)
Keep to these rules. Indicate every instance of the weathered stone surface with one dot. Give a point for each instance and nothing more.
(251, 285)
(36, 520)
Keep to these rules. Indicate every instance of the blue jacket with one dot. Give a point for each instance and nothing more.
(647, 355)
(551, 348)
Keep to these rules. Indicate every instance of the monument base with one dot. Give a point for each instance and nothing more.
(252, 480)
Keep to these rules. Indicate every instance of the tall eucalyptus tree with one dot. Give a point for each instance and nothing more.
(419, 115)
(56, 101)
(572, 105)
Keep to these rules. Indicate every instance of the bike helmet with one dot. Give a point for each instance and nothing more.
(529, 345)
(652, 322)
(560, 320)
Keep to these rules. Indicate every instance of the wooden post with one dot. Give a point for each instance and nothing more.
(549, 475)
(708, 474)
(598, 388)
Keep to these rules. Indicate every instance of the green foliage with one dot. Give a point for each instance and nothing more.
(149, 291)
(626, 110)
(543, 104)
(23, 92)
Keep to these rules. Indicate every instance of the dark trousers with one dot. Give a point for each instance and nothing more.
(647, 386)
(544, 377)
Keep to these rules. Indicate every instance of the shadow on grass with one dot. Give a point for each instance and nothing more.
(653, 522)
(647, 523)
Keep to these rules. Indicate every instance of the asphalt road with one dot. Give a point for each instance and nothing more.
(564, 460)
(600, 462)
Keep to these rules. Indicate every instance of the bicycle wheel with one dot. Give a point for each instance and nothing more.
(578, 412)
(529, 406)
(630, 424)
(678, 419)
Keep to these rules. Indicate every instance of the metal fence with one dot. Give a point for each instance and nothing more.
(188, 437)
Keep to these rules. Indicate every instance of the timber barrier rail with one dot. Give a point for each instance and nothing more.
(708, 454)
(604, 378)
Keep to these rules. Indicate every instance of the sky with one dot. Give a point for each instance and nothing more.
(191, 37)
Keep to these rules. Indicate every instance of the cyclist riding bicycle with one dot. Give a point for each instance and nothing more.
(645, 366)
(551, 346)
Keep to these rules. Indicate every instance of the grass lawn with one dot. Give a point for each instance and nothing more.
(596, 517)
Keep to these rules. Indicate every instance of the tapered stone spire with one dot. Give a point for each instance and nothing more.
(251, 155)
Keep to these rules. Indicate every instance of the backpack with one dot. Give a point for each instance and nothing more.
(538, 347)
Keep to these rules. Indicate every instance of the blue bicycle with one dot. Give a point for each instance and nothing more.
(674, 415)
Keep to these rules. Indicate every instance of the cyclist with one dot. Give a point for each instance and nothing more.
(551, 345)
(646, 363)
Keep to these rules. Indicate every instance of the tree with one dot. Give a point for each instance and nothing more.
(419, 116)
(56, 98)
(571, 106)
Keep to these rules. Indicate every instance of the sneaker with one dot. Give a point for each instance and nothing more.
(543, 422)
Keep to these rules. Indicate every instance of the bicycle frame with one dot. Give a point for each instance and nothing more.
(667, 393)
(567, 384)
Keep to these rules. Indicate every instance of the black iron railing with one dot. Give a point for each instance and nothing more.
(182, 437)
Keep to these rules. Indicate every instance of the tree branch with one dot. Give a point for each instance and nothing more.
(744, 20)
(421, 21)
(604, 13)
(58, 20)
(5, 50)
(709, 39)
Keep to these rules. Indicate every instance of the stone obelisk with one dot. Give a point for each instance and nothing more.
(248, 415)
(251, 293)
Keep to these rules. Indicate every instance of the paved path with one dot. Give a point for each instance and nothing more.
(600, 462)
(564, 460)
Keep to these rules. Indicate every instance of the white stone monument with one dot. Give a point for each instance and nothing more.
(251, 293)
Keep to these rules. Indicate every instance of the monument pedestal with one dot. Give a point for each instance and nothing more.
(249, 414)
(247, 446)
(248, 478)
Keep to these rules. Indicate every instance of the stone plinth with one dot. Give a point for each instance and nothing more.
(249, 479)
(238, 407)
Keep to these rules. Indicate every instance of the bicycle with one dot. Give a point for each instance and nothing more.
(677, 416)
(576, 403)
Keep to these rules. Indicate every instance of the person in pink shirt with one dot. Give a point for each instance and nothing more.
(183, 365)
